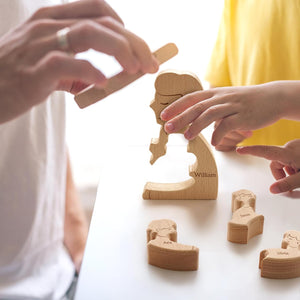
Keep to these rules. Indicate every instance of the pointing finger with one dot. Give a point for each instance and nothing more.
(268, 152)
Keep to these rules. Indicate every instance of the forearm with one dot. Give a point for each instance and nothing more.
(288, 98)
(158, 146)
(76, 226)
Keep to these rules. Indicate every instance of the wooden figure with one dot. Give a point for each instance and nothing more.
(171, 85)
(284, 262)
(245, 223)
(91, 94)
(165, 252)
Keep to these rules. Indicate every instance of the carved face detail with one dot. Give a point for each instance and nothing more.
(160, 103)
(170, 86)
(292, 239)
(162, 228)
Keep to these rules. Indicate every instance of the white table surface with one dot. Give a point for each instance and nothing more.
(115, 262)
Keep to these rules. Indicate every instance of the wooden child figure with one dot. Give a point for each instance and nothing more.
(245, 223)
(165, 252)
(284, 262)
(170, 86)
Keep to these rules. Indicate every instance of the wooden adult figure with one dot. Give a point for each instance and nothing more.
(170, 86)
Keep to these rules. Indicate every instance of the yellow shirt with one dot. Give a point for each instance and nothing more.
(258, 42)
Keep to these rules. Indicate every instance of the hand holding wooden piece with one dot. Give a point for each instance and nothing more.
(91, 94)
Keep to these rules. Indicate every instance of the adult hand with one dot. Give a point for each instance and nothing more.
(236, 108)
(33, 64)
(285, 164)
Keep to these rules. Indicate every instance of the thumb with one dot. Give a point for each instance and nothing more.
(286, 184)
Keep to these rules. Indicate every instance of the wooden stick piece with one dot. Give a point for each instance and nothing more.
(165, 252)
(91, 94)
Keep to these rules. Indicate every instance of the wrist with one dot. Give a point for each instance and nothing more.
(288, 93)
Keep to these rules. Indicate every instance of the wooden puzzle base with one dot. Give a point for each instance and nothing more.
(165, 252)
(203, 183)
(178, 191)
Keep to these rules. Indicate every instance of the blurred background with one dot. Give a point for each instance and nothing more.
(97, 134)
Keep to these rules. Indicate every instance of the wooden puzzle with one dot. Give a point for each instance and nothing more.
(165, 252)
(170, 86)
(284, 262)
(91, 94)
(245, 223)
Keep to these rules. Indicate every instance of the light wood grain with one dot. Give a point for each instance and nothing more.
(170, 86)
(165, 252)
(245, 223)
(284, 262)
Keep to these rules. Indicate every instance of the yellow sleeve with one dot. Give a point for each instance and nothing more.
(217, 73)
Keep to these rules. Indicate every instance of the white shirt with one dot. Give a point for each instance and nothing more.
(33, 261)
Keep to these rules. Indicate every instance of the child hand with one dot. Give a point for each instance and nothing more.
(285, 164)
(236, 108)
(230, 140)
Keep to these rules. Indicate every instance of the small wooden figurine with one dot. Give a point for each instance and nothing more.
(284, 262)
(245, 223)
(165, 252)
(170, 86)
(91, 94)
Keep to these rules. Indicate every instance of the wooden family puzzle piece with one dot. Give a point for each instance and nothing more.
(245, 223)
(165, 252)
(91, 94)
(170, 86)
(284, 262)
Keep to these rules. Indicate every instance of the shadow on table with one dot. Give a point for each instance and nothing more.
(201, 211)
(174, 277)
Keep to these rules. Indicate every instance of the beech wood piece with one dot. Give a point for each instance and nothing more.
(170, 86)
(165, 252)
(245, 223)
(284, 262)
(91, 94)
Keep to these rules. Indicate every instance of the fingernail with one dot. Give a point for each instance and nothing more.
(155, 65)
(169, 127)
(188, 135)
(163, 116)
(102, 82)
(275, 189)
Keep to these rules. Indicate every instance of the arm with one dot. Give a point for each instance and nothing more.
(76, 226)
(237, 108)
(30, 55)
(285, 164)
(158, 147)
